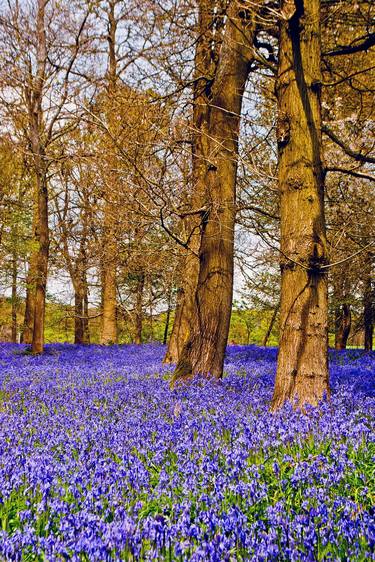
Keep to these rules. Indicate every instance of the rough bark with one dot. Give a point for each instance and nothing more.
(302, 370)
(205, 65)
(185, 306)
(203, 352)
(368, 302)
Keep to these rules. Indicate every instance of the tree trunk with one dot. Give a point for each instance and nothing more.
(78, 316)
(86, 325)
(368, 302)
(28, 322)
(79, 279)
(14, 296)
(185, 305)
(109, 274)
(167, 319)
(343, 322)
(205, 63)
(109, 304)
(176, 339)
(271, 325)
(81, 324)
(34, 95)
(302, 370)
(139, 308)
(203, 352)
(41, 264)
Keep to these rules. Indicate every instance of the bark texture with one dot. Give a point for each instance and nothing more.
(302, 370)
(203, 352)
(205, 66)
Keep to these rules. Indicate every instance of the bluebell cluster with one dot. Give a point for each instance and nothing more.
(100, 460)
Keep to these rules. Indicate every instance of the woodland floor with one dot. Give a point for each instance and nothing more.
(101, 461)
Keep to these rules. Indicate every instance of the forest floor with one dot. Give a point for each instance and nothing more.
(100, 460)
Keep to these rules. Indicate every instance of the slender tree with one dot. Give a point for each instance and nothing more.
(109, 260)
(368, 300)
(30, 56)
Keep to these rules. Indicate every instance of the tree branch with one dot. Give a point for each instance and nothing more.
(366, 44)
(349, 172)
(358, 156)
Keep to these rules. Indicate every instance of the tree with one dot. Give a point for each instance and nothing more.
(368, 300)
(216, 170)
(14, 221)
(302, 370)
(37, 62)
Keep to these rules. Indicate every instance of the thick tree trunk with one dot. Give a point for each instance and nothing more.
(343, 322)
(368, 302)
(185, 305)
(302, 370)
(205, 63)
(203, 352)
(139, 309)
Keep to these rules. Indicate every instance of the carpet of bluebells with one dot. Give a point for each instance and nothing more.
(100, 460)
